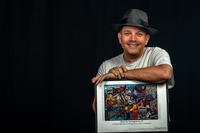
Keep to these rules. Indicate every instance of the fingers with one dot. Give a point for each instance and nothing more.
(119, 71)
(104, 77)
(115, 72)
(98, 79)
(124, 69)
(94, 79)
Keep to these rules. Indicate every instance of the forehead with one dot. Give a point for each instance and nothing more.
(132, 28)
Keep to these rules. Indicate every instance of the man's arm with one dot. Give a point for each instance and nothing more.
(155, 74)
(158, 73)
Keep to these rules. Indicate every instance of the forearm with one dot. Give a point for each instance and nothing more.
(150, 74)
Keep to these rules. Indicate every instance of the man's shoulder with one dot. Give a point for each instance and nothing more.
(110, 63)
(114, 59)
(155, 49)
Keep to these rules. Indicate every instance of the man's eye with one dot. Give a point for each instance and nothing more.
(139, 33)
(126, 33)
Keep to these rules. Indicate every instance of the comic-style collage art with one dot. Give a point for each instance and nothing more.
(130, 102)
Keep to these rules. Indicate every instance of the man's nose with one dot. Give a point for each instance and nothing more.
(133, 37)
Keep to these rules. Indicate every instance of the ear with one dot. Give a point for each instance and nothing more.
(147, 39)
(119, 35)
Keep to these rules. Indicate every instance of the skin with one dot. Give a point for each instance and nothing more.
(133, 41)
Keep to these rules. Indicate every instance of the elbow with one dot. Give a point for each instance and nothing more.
(167, 74)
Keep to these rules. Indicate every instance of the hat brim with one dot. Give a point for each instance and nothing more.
(150, 30)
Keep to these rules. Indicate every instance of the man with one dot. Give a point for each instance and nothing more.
(137, 62)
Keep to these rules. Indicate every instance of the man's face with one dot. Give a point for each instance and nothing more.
(133, 40)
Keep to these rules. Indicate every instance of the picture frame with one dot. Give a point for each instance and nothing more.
(131, 106)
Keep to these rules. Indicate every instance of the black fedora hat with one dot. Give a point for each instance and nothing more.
(137, 18)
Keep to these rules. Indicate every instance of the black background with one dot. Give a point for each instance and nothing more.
(50, 49)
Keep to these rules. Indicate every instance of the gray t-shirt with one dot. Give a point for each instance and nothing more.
(152, 56)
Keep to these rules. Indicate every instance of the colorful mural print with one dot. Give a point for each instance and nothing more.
(131, 102)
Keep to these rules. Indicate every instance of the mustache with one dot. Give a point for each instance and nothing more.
(133, 42)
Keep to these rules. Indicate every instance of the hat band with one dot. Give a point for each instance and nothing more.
(134, 22)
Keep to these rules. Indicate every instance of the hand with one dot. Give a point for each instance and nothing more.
(114, 73)
(118, 71)
(99, 78)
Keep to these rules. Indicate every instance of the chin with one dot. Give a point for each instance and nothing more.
(133, 52)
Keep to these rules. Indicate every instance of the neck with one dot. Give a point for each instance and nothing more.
(131, 57)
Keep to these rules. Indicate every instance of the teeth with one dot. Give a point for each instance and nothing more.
(132, 44)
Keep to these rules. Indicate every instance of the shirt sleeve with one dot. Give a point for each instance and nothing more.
(102, 69)
(161, 56)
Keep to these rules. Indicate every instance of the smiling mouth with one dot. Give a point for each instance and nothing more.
(133, 44)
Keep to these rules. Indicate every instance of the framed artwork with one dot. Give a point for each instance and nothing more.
(131, 106)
